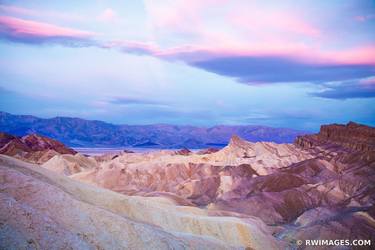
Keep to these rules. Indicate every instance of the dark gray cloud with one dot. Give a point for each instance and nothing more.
(347, 90)
(266, 69)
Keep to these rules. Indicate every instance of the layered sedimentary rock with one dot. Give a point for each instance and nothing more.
(282, 184)
(32, 148)
(263, 157)
(13, 146)
(349, 152)
(37, 143)
(352, 136)
(40, 209)
(199, 178)
(320, 187)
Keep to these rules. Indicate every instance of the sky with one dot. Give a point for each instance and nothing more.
(295, 64)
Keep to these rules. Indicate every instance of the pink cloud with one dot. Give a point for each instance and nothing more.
(179, 17)
(235, 24)
(212, 45)
(298, 52)
(357, 55)
(21, 30)
(273, 21)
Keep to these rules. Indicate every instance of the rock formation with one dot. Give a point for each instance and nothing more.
(32, 148)
(38, 143)
(351, 136)
(199, 178)
(320, 187)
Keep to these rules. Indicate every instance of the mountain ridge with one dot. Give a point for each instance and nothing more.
(94, 133)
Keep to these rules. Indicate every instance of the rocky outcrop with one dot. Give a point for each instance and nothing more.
(350, 149)
(38, 143)
(14, 147)
(33, 148)
(264, 157)
(351, 136)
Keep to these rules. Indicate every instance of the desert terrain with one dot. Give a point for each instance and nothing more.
(247, 195)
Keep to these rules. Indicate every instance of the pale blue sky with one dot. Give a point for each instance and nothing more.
(190, 62)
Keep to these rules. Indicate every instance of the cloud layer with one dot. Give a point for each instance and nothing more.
(257, 43)
(347, 90)
(27, 31)
(253, 70)
(249, 66)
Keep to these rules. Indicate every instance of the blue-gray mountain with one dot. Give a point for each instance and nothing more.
(89, 133)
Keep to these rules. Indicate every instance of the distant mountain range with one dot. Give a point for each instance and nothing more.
(77, 132)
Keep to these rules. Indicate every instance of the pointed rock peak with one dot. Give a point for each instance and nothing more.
(183, 151)
(32, 137)
(237, 141)
(39, 138)
(235, 138)
(352, 124)
(37, 143)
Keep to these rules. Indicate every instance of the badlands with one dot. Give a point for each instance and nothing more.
(245, 196)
